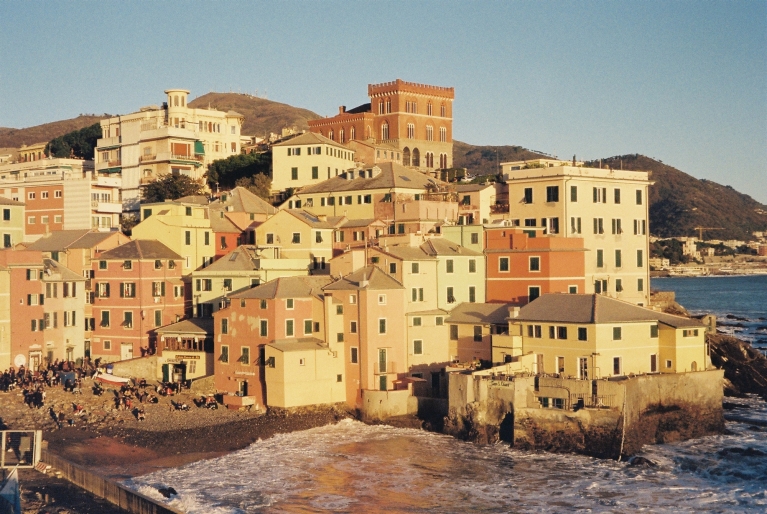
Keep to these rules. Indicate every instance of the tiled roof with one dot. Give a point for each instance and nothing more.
(408, 253)
(54, 268)
(310, 138)
(242, 200)
(242, 258)
(188, 326)
(8, 201)
(92, 239)
(58, 240)
(593, 308)
(287, 287)
(314, 221)
(482, 313)
(140, 249)
(441, 246)
(222, 224)
(300, 344)
(391, 175)
(369, 277)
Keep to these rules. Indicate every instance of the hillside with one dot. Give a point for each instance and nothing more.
(680, 202)
(14, 138)
(261, 116)
(483, 160)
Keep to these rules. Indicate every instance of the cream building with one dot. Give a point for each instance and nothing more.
(155, 141)
(306, 160)
(607, 208)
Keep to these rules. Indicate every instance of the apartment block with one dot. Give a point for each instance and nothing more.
(307, 159)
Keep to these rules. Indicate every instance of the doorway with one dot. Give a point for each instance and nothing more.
(583, 368)
(126, 351)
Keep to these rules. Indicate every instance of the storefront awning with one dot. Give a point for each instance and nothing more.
(199, 148)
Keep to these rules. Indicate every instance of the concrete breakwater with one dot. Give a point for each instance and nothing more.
(602, 418)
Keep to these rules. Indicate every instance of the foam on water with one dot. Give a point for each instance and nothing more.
(350, 466)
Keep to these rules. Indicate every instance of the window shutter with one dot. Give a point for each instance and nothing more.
(162, 288)
(29, 273)
(42, 299)
(107, 290)
(29, 296)
(122, 290)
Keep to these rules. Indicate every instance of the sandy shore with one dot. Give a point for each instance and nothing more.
(118, 446)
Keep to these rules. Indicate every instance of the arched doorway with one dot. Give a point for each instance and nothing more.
(406, 156)
(416, 157)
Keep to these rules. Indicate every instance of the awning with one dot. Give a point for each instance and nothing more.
(117, 169)
(105, 148)
(199, 148)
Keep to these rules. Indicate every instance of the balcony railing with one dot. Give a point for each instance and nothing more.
(499, 208)
(467, 207)
(186, 157)
(116, 162)
(146, 158)
(387, 368)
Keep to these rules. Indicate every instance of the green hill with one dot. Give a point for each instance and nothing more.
(261, 116)
(14, 138)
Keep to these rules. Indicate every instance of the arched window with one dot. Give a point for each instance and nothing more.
(368, 132)
(210, 126)
(385, 130)
(388, 105)
(341, 136)
(406, 156)
(330, 135)
(410, 131)
(175, 100)
(381, 107)
(416, 157)
(443, 160)
(182, 101)
(442, 111)
(429, 133)
(428, 108)
(352, 134)
(429, 160)
(442, 134)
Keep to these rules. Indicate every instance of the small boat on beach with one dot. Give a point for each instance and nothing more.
(110, 379)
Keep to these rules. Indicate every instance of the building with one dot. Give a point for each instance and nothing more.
(407, 201)
(367, 153)
(184, 226)
(239, 210)
(61, 194)
(475, 202)
(607, 208)
(307, 159)
(35, 152)
(155, 141)
(591, 336)
(415, 119)
(460, 273)
(358, 234)
(244, 267)
(12, 222)
(284, 310)
(523, 265)
(185, 350)
(64, 320)
(472, 327)
(138, 289)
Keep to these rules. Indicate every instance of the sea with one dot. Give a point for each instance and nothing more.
(353, 467)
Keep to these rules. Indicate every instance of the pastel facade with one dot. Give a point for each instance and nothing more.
(64, 319)
(307, 159)
(607, 208)
(300, 234)
(12, 222)
(460, 273)
(358, 234)
(185, 350)
(593, 336)
(234, 216)
(472, 328)
(138, 289)
(520, 268)
(155, 141)
(367, 153)
(416, 119)
(475, 202)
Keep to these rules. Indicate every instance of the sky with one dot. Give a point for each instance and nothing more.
(684, 82)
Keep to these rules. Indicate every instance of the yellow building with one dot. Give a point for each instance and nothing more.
(607, 208)
(473, 327)
(300, 234)
(11, 222)
(475, 202)
(307, 159)
(592, 336)
(183, 225)
(157, 140)
(460, 273)
(185, 349)
(408, 201)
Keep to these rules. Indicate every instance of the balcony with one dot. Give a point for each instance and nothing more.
(115, 162)
(467, 207)
(499, 208)
(147, 158)
(388, 368)
(107, 207)
(109, 181)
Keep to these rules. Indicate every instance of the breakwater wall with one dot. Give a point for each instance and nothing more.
(602, 418)
(113, 492)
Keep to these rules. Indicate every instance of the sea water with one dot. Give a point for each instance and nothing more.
(353, 467)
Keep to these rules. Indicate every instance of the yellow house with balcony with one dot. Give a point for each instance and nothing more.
(589, 336)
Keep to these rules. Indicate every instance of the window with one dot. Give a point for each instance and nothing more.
(207, 238)
(7, 241)
(224, 354)
(639, 196)
(57, 194)
(474, 238)
(478, 333)
(668, 364)
(616, 226)
(503, 264)
(392, 268)
(187, 237)
(30, 220)
(454, 332)
(207, 284)
(450, 295)
(381, 299)
(127, 290)
(618, 259)
(600, 195)
(339, 309)
(443, 135)
(382, 325)
(30, 196)
(530, 222)
(575, 225)
(600, 259)
(58, 219)
(472, 265)
(289, 330)
(417, 321)
(528, 195)
(429, 133)
(583, 334)
(552, 193)
(414, 268)
(472, 294)
(449, 265)
(354, 355)
(535, 264)
(417, 347)
(599, 226)
(44, 220)
(640, 284)
(410, 131)
(158, 289)
(617, 368)
(289, 303)
(640, 260)
(618, 285)
(107, 345)
(293, 173)
(102, 289)
(385, 128)
(617, 333)
(296, 238)
(128, 319)
(224, 326)
(600, 286)
(353, 327)
(315, 172)
(188, 211)
(573, 193)
(264, 328)
(158, 318)
(654, 331)
(561, 332)
(439, 321)
(533, 292)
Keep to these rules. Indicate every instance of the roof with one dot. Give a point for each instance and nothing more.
(298, 345)
(360, 108)
(140, 249)
(8, 201)
(593, 308)
(242, 200)
(92, 239)
(188, 326)
(195, 199)
(434, 312)
(370, 277)
(482, 313)
(408, 253)
(242, 258)
(441, 246)
(53, 267)
(222, 224)
(386, 175)
(234, 114)
(314, 221)
(57, 240)
(362, 223)
(310, 138)
(287, 287)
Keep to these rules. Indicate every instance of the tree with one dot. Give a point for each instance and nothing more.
(127, 223)
(78, 143)
(226, 172)
(260, 185)
(172, 187)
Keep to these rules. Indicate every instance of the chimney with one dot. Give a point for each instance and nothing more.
(341, 109)
(322, 217)
(513, 312)
(364, 282)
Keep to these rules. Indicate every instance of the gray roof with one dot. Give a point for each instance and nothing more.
(432, 312)
(92, 239)
(314, 221)
(362, 223)
(300, 344)
(140, 249)
(242, 200)
(189, 326)
(375, 278)
(310, 138)
(408, 253)
(64, 273)
(242, 258)
(8, 201)
(441, 246)
(593, 308)
(195, 199)
(287, 287)
(480, 313)
(391, 175)
(58, 240)
(222, 224)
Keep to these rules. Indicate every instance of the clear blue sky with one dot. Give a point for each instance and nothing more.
(684, 82)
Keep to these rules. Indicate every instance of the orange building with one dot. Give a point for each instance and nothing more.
(522, 267)
(138, 289)
(415, 119)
